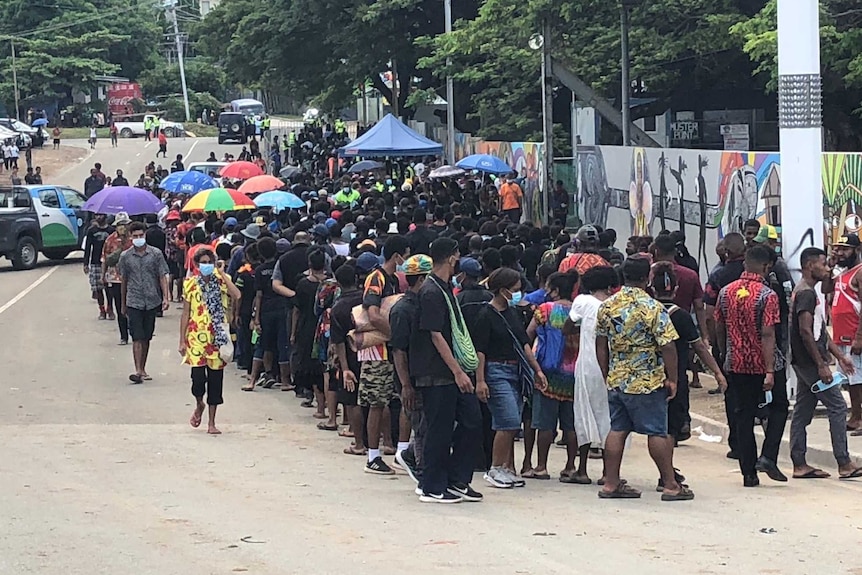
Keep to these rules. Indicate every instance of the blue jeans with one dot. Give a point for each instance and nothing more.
(505, 401)
(644, 413)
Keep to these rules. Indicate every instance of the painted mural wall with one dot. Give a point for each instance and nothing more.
(525, 157)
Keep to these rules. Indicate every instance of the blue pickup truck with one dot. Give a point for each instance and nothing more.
(41, 218)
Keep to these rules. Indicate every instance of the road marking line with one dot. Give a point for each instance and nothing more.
(138, 154)
(27, 290)
(189, 155)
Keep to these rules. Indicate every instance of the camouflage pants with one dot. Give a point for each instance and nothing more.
(376, 383)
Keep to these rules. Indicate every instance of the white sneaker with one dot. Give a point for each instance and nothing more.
(497, 477)
(516, 481)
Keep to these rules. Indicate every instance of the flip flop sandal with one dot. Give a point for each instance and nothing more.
(346, 433)
(623, 491)
(685, 494)
(326, 427)
(288, 387)
(856, 432)
(388, 451)
(813, 474)
(307, 403)
(352, 451)
(528, 474)
(249, 387)
(135, 378)
(147, 377)
(319, 416)
(540, 476)
(855, 474)
(574, 479)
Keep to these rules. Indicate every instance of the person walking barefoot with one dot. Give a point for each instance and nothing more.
(207, 296)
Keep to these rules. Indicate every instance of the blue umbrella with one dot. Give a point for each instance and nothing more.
(39, 122)
(188, 182)
(484, 163)
(364, 166)
(279, 201)
(116, 199)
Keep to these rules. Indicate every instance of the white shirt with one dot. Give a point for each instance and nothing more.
(92, 132)
(14, 151)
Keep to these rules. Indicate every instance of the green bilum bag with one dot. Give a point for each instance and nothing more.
(462, 343)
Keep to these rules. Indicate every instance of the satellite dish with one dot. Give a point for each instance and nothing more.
(536, 42)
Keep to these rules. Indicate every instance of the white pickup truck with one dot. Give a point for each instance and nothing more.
(132, 129)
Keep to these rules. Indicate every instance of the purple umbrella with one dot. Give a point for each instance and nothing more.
(115, 199)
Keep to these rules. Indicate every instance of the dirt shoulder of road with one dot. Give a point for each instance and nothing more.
(53, 162)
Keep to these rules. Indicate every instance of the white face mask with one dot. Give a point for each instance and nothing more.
(139, 242)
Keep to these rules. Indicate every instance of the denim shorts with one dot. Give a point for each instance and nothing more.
(505, 401)
(642, 413)
(547, 411)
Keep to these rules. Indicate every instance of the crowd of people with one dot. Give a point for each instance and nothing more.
(445, 328)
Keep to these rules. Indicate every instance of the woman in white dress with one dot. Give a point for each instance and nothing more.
(592, 416)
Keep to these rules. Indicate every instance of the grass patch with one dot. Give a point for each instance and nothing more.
(201, 130)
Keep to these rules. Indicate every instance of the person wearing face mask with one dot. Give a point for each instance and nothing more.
(203, 330)
(441, 361)
(504, 355)
(115, 244)
(377, 374)
(144, 275)
(96, 236)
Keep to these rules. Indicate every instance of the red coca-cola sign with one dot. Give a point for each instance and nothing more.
(120, 97)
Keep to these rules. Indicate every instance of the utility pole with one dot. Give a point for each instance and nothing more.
(395, 94)
(450, 92)
(624, 49)
(171, 14)
(14, 78)
(799, 127)
(547, 118)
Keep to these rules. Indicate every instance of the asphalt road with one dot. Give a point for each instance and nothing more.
(102, 477)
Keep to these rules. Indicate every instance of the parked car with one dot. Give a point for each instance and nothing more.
(41, 218)
(233, 126)
(22, 133)
(132, 129)
(209, 168)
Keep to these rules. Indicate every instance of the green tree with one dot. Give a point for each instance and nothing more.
(63, 46)
(202, 75)
(840, 60)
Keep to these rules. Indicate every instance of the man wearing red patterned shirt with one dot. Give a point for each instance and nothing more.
(746, 314)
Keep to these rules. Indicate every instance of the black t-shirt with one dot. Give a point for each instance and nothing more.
(688, 335)
(721, 277)
(96, 237)
(531, 258)
(420, 240)
(472, 299)
(156, 238)
(805, 299)
(341, 322)
(292, 264)
(403, 321)
(245, 283)
(433, 316)
(492, 337)
(270, 301)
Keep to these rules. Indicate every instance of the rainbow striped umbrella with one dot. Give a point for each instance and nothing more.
(219, 200)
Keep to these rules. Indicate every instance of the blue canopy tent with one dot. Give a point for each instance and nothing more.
(390, 138)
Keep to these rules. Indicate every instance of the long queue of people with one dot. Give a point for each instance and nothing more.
(445, 331)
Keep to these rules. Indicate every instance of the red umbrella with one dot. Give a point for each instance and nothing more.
(259, 184)
(240, 171)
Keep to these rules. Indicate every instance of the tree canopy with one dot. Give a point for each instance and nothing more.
(62, 46)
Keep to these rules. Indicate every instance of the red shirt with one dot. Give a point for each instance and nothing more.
(688, 287)
(744, 306)
(162, 138)
(845, 308)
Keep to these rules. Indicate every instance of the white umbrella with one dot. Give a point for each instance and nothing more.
(446, 172)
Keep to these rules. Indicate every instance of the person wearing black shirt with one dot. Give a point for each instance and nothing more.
(421, 237)
(244, 314)
(120, 180)
(341, 322)
(270, 320)
(177, 165)
(93, 184)
(503, 348)
(96, 236)
(307, 369)
(810, 346)
(532, 256)
(448, 394)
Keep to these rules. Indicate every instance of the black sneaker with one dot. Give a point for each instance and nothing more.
(407, 461)
(465, 492)
(378, 467)
(444, 497)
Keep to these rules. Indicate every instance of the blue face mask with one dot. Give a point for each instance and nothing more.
(388, 182)
(206, 269)
(515, 299)
(456, 283)
(139, 242)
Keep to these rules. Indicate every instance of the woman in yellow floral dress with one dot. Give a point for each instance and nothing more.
(203, 329)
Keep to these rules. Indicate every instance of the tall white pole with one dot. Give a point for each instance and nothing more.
(171, 6)
(547, 120)
(15, 79)
(799, 121)
(450, 92)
